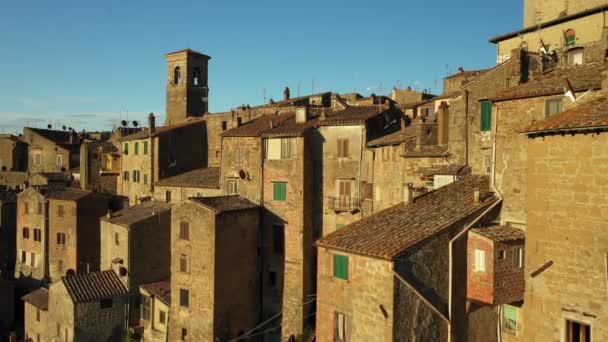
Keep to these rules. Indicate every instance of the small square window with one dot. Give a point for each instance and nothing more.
(552, 107)
(501, 254)
(341, 266)
(279, 191)
(480, 261)
(184, 298)
(162, 317)
(105, 303)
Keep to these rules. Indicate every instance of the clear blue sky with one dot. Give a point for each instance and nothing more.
(86, 63)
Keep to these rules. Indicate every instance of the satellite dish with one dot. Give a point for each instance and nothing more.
(64, 128)
(124, 123)
(243, 174)
(49, 126)
(135, 123)
(70, 129)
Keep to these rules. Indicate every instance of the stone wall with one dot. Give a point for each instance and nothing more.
(141, 162)
(13, 155)
(8, 236)
(35, 322)
(370, 285)
(49, 152)
(541, 11)
(31, 276)
(250, 152)
(64, 257)
(61, 314)
(185, 99)
(179, 194)
(92, 323)
(566, 225)
(480, 285)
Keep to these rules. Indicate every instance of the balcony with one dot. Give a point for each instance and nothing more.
(344, 203)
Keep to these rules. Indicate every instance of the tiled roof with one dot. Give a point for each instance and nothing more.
(501, 233)
(38, 298)
(294, 100)
(390, 232)
(466, 73)
(8, 197)
(223, 204)
(137, 213)
(586, 116)
(582, 78)
(69, 194)
(143, 134)
(160, 290)
(394, 138)
(107, 182)
(60, 137)
(258, 126)
(84, 287)
(352, 115)
(11, 137)
(104, 146)
(424, 151)
(453, 170)
(187, 50)
(206, 177)
(56, 176)
(289, 128)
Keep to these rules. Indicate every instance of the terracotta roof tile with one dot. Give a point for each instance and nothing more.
(501, 233)
(161, 290)
(221, 204)
(424, 151)
(289, 128)
(38, 298)
(258, 126)
(143, 134)
(7, 196)
(69, 194)
(353, 115)
(452, 170)
(84, 287)
(58, 137)
(137, 213)
(207, 178)
(390, 232)
(394, 138)
(104, 146)
(589, 115)
(582, 78)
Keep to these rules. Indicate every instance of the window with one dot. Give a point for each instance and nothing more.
(26, 233)
(509, 319)
(233, 188)
(59, 160)
(39, 208)
(501, 254)
(116, 239)
(105, 303)
(341, 266)
(576, 57)
(33, 259)
(279, 191)
(486, 116)
(239, 122)
(224, 125)
(60, 211)
(284, 148)
(61, 238)
(340, 225)
(518, 257)
(487, 160)
(570, 37)
(577, 332)
(184, 333)
(23, 257)
(60, 266)
(145, 147)
(339, 327)
(183, 263)
(37, 315)
(343, 148)
(37, 337)
(272, 278)
(145, 308)
(184, 298)
(278, 238)
(126, 149)
(196, 75)
(184, 230)
(288, 148)
(136, 149)
(136, 175)
(168, 196)
(125, 176)
(344, 192)
(480, 261)
(37, 235)
(552, 107)
(176, 75)
(37, 159)
(162, 317)
(145, 179)
(26, 207)
(368, 191)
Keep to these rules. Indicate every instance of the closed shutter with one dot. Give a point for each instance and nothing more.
(126, 149)
(145, 147)
(136, 148)
(486, 116)
(341, 266)
(279, 191)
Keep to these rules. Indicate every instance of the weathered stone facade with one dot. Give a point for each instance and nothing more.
(51, 150)
(31, 266)
(8, 233)
(36, 315)
(13, 153)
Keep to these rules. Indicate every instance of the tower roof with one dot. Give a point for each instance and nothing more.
(187, 51)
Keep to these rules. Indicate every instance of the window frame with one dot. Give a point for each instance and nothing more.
(183, 263)
(184, 298)
(25, 233)
(59, 160)
(506, 326)
(340, 266)
(485, 116)
(184, 230)
(339, 327)
(548, 103)
(279, 191)
(479, 261)
(343, 148)
(518, 257)
(145, 147)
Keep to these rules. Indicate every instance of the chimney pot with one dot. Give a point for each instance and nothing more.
(476, 200)
(286, 93)
(151, 123)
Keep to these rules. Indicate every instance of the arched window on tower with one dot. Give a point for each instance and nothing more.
(196, 76)
(176, 75)
(570, 37)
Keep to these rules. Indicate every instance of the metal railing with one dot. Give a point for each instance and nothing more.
(344, 203)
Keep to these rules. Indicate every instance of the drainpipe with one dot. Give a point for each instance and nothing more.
(466, 127)
(363, 139)
(484, 213)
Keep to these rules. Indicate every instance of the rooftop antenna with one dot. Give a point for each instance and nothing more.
(298, 89)
(264, 94)
(313, 85)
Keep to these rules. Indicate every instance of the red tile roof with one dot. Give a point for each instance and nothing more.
(394, 138)
(258, 126)
(390, 232)
(449, 169)
(582, 77)
(160, 290)
(38, 298)
(84, 287)
(356, 115)
(145, 133)
(586, 116)
(206, 178)
(221, 204)
(501, 233)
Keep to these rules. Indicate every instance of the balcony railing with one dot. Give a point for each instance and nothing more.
(344, 203)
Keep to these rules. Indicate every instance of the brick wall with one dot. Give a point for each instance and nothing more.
(480, 285)
(251, 150)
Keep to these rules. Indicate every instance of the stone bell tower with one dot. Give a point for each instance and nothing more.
(187, 85)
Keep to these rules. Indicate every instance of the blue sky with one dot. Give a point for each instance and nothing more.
(86, 64)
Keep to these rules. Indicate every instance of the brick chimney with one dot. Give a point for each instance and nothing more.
(301, 114)
(443, 124)
(286, 94)
(151, 123)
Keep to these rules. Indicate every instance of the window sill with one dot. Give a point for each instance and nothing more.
(347, 281)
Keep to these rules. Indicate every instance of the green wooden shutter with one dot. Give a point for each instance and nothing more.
(279, 191)
(341, 266)
(126, 176)
(145, 178)
(136, 148)
(145, 147)
(486, 116)
(126, 150)
(339, 225)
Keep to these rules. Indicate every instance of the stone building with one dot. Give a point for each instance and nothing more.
(8, 233)
(155, 304)
(551, 25)
(51, 150)
(73, 238)
(201, 182)
(566, 225)
(187, 85)
(397, 274)
(135, 243)
(158, 153)
(87, 307)
(55, 180)
(36, 312)
(214, 268)
(99, 166)
(7, 306)
(13, 153)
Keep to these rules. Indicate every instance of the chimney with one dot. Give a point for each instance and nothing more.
(301, 114)
(476, 200)
(74, 138)
(151, 123)
(109, 214)
(405, 121)
(443, 124)
(286, 94)
(410, 193)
